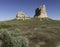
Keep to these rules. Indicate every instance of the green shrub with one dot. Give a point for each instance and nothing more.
(12, 39)
(20, 41)
(6, 40)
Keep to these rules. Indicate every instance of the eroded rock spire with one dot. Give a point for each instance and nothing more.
(41, 12)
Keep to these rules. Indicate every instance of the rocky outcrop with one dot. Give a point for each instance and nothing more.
(21, 15)
(41, 12)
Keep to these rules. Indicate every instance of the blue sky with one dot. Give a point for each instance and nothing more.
(9, 8)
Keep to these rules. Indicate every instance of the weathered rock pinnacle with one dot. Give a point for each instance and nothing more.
(41, 12)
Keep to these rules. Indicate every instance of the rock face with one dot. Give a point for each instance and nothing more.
(41, 12)
(21, 15)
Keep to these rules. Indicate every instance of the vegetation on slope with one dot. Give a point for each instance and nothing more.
(31, 33)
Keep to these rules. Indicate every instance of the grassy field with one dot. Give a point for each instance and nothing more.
(30, 33)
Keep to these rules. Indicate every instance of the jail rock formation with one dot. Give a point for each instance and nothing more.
(41, 12)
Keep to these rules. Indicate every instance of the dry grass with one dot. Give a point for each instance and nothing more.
(47, 31)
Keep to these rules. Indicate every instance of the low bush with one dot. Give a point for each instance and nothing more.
(14, 40)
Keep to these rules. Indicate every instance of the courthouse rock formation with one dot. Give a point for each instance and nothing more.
(21, 15)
